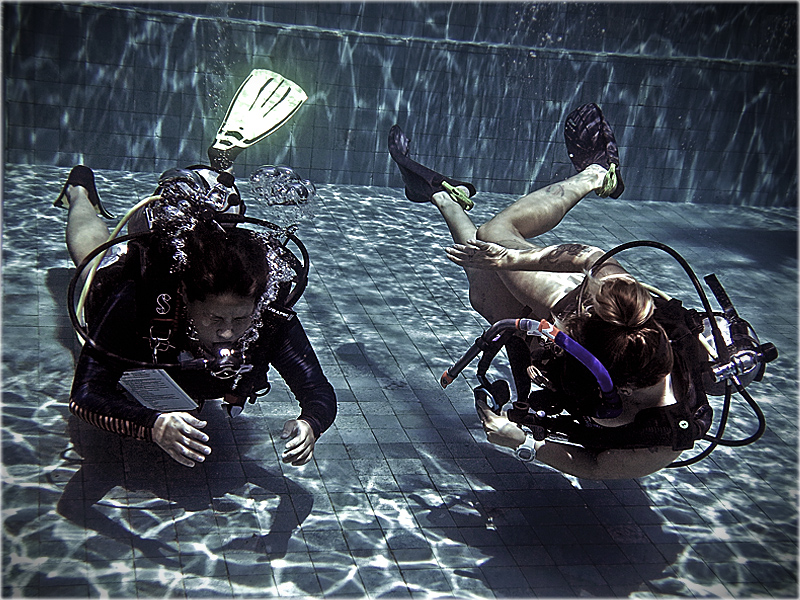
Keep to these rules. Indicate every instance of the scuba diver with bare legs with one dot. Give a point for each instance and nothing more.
(620, 394)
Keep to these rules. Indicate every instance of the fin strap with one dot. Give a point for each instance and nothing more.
(458, 196)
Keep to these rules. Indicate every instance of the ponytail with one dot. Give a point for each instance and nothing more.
(622, 301)
(619, 329)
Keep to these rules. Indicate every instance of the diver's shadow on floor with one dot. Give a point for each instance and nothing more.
(595, 541)
(356, 358)
(109, 461)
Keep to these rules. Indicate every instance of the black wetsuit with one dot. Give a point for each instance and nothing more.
(120, 323)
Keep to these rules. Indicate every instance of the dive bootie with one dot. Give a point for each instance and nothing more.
(421, 182)
(590, 141)
(84, 177)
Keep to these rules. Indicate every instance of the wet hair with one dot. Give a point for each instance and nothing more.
(619, 329)
(209, 259)
(229, 262)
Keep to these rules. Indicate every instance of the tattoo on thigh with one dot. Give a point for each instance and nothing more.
(558, 252)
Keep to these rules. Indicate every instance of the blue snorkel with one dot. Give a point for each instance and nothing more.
(610, 405)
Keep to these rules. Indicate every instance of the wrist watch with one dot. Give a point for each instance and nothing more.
(526, 451)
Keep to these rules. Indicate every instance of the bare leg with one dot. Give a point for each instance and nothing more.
(458, 222)
(540, 211)
(487, 293)
(85, 230)
(533, 215)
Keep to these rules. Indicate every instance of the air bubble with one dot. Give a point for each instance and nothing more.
(286, 198)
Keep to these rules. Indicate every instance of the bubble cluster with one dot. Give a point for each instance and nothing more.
(280, 272)
(286, 198)
(175, 214)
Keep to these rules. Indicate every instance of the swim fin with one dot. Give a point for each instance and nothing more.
(264, 102)
(421, 182)
(82, 176)
(590, 140)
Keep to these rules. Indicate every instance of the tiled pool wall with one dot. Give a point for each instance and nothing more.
(703, 97)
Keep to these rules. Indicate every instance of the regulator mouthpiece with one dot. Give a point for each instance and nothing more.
(227, 361)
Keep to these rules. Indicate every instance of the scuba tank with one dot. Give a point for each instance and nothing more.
(720, 350)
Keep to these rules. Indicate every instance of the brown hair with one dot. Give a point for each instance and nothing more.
(619, 329)
(232, 261)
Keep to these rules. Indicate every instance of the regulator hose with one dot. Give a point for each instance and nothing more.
(82, 330)
(611, 405)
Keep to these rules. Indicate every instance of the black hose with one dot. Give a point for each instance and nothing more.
(718, 440)
(726, 406)
(762, 423)
(480, 344)
(294, 295)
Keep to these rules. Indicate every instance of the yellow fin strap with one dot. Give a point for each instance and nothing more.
(458, 196)
(609, 183)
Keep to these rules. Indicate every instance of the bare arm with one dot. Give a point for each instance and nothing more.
(576, 460)
(606, 464)
(564, 258)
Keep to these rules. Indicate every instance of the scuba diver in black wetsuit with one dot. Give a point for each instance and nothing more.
(621, 375)
(207, 299)
(191, 292)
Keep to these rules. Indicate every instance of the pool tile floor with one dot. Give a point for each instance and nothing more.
(405, 498)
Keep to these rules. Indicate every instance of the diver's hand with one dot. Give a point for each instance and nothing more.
(482, 255)
(300, 447)
(499, 430)
(178, 435)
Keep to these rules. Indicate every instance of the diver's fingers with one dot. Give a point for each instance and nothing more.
(463, 258)
(485, 413)
(473, 247)
(300, 446)
(191, 420)
(508, 435)
(193, 433)
(188, 456)
(193, 444)
(194, 441)
(456, 254)
(178, 457)
(300, 456)
(498, 429)
(185, 444)
(304, 458)
(181, 453)
(290, 431)
(479, 245)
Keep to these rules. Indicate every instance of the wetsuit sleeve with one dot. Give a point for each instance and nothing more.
(297, 363)
(95, 397)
